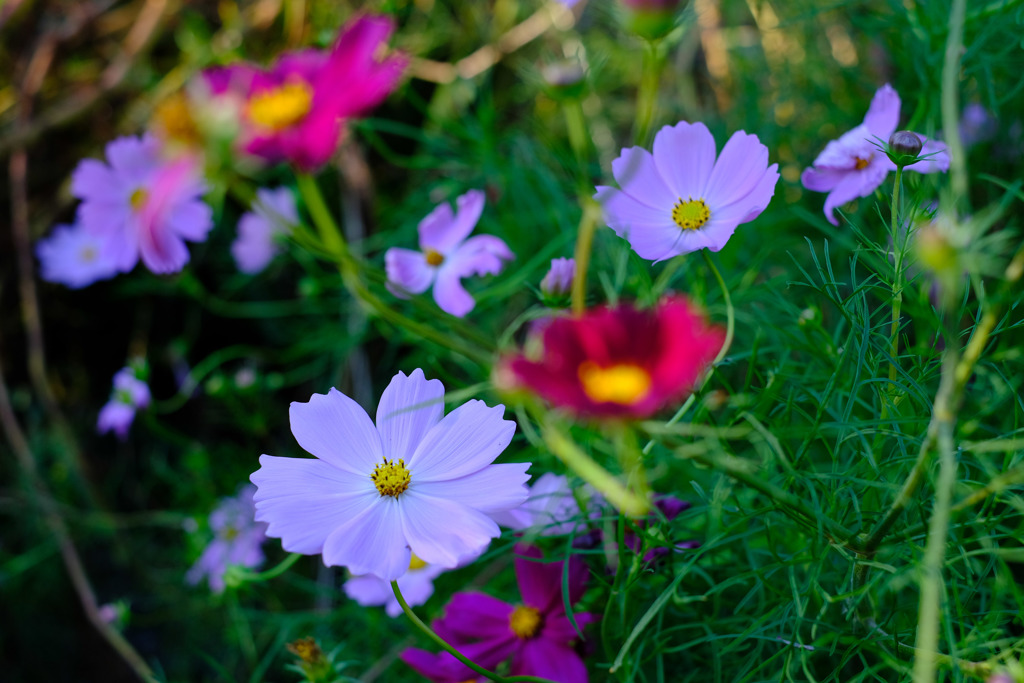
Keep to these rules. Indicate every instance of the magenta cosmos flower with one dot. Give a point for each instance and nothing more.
(140, 204)
(620, 362)
(73, 257)
(680, 198)
(295, 110)
(237, 540)
(855, 164)
(536, 634)
(130, 395)
(416, 483)
(273, 215)
(447, 256)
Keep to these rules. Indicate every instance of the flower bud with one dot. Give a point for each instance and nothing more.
(904, 146)
(650, 19)
(556, 286)
(566, 76)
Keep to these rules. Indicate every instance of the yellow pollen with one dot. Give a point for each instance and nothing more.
(525, 621)
(691, 214)
(230, 534)
(623, 383)
(861, 164)
(88, 254)
(391, 478)
(138, 198)
(281, 107)
(434, 258)
(415, 563)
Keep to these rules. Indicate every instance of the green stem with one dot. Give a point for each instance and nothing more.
(647, 98)
(897, 284)
(272, 573)
(576, 125)
(322, 219)
(584, 244)
(730, 331)
(443, 644)
(951, 105)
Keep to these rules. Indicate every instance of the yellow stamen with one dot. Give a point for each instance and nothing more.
(623, 383)
(87, 255)
(391, 478)
(415, 563)
(861, 164)
(230, 534)
(434, 258)
(691, 214)
(281, 107)
(525, 621)
(138, 198)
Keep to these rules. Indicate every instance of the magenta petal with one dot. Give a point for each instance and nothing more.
(161, 251)
(444, 532)
(337, 430)
(559, 629)
(540, 583)
(94, 180)
(450, 295)
(638, 176)
(439, 668)
(408, 271)
(740, 167)
(547, 659)
(372, 542)
(465, 441)
(442, 231)
(478, 617)
(884, 113)
(408, 408)
(492, 489)
(684, 155)
(855, 184)
(305, 500)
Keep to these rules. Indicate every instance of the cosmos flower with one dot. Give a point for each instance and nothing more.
(557, 283)
(620, 362)
(447, 256)
(73, 257)
(237, 540)
(536, 634)
(854, 165)
(680, 198)
(416, 482)
(551, 508)
(130, 394)
(142, 205)
(295, 111)
(273, 214)
(668, 508)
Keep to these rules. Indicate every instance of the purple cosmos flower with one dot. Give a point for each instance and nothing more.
(557, 284)
(273, 214)
(142, 205)
(854, 165)
(130, 394)
(976, 125)
(537, 634)
(551, 509)
(669, 507)
(447, 256)
(237, 540)
(680, 198)
(415, 483)
(74, 258)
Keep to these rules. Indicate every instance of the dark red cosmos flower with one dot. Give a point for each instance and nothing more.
(620, 362)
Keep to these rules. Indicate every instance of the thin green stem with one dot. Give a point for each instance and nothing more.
(443, 644)
(647, 97)
(584, 244)
(897, 282)
(576, 126)
(322, 219)
(951, 103)
(273, 572)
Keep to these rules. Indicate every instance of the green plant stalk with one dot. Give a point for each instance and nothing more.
(584, 244)
(897, 285)
(273, 572)
(443, 644)
(730, 331)
(647, 97)
(950, 103)
(576, 126)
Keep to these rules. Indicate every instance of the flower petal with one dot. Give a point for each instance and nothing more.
(884, 113)
(855, 184)
(651, 232)
(540, 583)
(408, 408)
(821, 179)
(475, 616)
(685, 154)
(93, 179)
(408, 272)
(450, 295)
(465, 441)
(547, 659)
(937, 162)
(305, 500)
(444, 532)
(739, 169)
(372, 542)
(442, 231)
(637, 174)
(335, 429)
(493, 489)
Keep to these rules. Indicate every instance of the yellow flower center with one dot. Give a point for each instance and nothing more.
(138, 199)
(391, 478)
(415, 563)
(861, 164)
(525, 621)
(691, 214)
(174, 119)
(281, 107)
(434, 258)
(87, 255)
(623, 383)
(230, 534)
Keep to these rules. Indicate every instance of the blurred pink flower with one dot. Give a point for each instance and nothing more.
(273, 214)
(295, 110)
(237, 540)
(447, 256)
(130, 394)
(140, 204)
(73, 257)
(855, 164)
(681, 198)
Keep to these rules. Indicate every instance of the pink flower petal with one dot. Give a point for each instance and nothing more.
(884, 113)
(684, 155)
(464, 442)
(443, 231)
(443, 532)
(371, 542)
(637, 174)
(855, 184)
(408, 272)
(492, 489)
(337, 430)
(938, 162)
(408, 408)
(450, 295)
(550, 660)
(738, 170)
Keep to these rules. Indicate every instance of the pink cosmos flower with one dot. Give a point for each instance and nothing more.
(556, 286)
(74, 258)
(447, 256)
(374, 495)
(142, 205)
(237, 540)
(680, 198)
(854, 165)
(295, 110)
(551, 509)
(130, 394)
(273, 214)
(537, 634)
